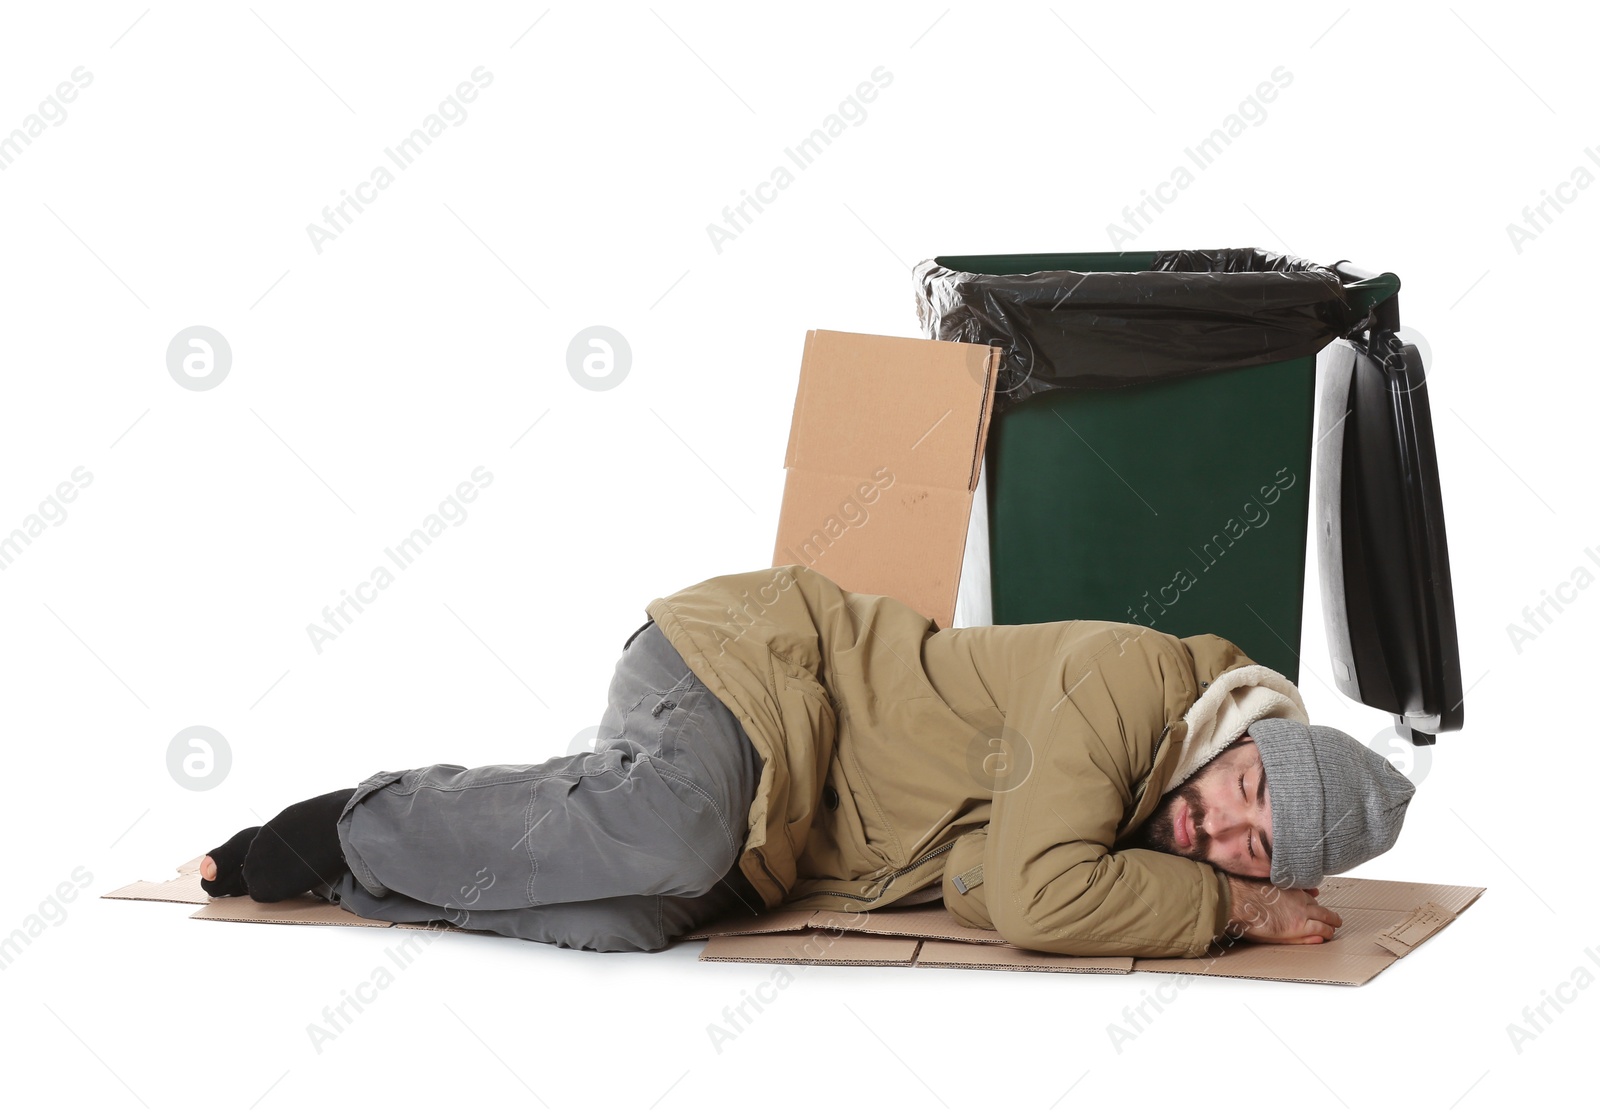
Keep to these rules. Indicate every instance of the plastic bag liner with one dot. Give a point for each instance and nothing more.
(1187, 312)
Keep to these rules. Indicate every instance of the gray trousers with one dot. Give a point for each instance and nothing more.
(621, 848)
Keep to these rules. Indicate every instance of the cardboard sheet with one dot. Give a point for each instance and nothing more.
(305, 909)
(1384, 921)
(885, 451)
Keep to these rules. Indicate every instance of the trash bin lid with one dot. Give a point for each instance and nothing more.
(1387, 601)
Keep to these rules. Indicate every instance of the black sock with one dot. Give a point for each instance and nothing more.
(297, 849)
(229, 858)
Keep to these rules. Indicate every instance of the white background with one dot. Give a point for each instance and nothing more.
(430, 338)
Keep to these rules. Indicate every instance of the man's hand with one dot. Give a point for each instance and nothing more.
(1264, 913)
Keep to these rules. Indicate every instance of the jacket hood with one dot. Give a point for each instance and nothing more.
(1225, 709)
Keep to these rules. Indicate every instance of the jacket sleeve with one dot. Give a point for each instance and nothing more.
(1052, 880)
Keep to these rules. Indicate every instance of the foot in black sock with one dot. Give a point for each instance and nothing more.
(297, 849)
(227, 866)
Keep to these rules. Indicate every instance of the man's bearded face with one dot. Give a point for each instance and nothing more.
(1222, 814)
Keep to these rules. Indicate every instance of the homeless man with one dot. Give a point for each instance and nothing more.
(771, 739)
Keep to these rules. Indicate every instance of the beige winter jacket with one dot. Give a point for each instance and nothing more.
(1006, 760)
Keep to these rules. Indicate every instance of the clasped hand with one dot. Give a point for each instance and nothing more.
(1264, 913)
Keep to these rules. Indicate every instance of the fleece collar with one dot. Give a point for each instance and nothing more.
(1225, 710)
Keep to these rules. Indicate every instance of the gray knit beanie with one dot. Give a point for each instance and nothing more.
(1335, 803)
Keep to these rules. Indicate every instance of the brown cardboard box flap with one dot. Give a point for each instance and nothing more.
(1422, 922)
(865, 395)
(884, 453)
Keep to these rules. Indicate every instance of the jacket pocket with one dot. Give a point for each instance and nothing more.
(963, 880)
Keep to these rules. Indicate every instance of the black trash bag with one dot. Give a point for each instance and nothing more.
(1194, 311)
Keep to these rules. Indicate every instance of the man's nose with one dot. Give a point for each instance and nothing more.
(1222, 819)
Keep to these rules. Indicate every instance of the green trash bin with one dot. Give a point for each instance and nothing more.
(1149, 457)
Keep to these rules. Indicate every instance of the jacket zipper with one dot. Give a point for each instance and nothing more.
(766, 869)
(888, 881)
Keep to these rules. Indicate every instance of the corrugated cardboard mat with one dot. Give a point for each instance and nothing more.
(1383, 921)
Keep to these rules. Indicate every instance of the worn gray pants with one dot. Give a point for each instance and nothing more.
(621, 848)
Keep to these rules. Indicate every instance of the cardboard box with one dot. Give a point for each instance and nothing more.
(1384, 921)
(885, 453)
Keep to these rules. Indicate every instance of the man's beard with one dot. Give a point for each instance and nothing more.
(1156, 833)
